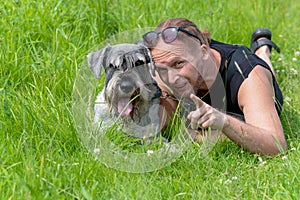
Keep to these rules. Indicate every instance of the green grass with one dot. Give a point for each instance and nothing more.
(43, 45)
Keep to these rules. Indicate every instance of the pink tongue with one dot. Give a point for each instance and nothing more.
(124, 107)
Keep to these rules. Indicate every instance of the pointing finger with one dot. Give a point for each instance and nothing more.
(196, 100)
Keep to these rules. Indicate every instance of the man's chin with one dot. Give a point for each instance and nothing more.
(185, 94)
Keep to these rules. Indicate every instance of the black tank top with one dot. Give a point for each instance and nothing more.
(233, 77)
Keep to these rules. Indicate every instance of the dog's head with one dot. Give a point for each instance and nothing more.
(130, 89)
(119, 57)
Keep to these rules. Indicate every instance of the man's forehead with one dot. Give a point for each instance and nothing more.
(181, 48)
(163, 51)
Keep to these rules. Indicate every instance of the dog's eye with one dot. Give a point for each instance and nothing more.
(139, 62)
(110, 66)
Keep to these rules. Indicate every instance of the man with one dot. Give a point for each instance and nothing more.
(190, 65)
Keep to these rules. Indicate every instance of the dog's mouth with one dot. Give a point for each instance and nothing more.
(126, 104)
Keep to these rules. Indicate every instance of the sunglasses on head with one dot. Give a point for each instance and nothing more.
(168, 35)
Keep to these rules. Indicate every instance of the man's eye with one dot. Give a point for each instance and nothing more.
(179, 64)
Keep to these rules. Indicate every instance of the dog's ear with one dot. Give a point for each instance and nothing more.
(96, 60)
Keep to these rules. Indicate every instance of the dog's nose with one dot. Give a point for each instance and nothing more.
(127, 86)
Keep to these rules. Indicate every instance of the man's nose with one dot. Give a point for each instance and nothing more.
(172, 76)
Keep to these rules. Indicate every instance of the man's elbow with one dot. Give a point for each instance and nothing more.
(278, 147)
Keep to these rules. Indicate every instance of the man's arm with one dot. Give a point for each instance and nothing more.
(256, 99)
(262, 131)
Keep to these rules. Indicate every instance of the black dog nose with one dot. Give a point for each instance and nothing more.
(127, 86)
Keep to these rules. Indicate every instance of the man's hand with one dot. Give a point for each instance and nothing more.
(205, 116)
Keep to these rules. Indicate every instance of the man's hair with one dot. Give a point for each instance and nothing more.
(188, 25)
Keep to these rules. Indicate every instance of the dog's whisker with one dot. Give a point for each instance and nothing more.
(147, 89)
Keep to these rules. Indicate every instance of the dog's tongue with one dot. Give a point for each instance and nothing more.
(124, 107)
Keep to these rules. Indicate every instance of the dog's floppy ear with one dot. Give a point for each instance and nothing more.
(96, 60)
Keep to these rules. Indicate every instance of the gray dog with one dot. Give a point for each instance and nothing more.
(130, 92)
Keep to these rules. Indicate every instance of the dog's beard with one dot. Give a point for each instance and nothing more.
(136, 104)
(139, 112)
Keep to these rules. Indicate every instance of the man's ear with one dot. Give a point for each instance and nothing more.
(204, 51)
(96, 60)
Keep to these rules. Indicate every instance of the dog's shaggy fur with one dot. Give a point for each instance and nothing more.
(130, 92)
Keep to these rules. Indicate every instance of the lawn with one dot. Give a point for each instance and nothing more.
(43, 47)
